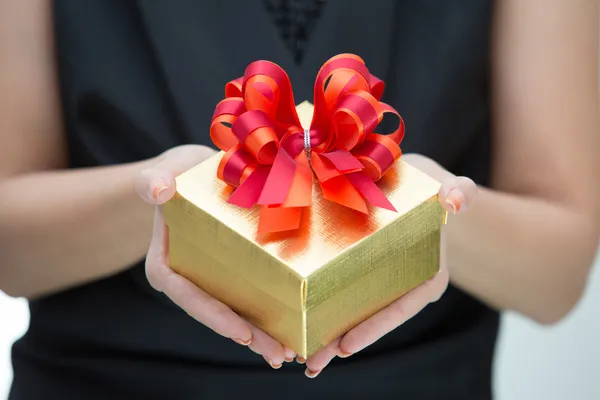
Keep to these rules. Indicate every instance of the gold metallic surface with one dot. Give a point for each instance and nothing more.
(306, 287)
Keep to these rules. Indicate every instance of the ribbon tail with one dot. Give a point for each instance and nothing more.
(288, 216)
(343, 161)
(300, 192)
(341, 191)
(279, 219)
(279, 181)
(369, 190)
(323, 168)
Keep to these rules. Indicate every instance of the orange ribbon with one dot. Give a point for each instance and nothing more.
(269, 156)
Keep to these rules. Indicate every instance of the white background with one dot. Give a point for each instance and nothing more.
(533, 363)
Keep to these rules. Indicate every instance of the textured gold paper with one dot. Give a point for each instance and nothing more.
(307, 287)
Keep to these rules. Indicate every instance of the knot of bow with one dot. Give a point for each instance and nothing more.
(269, 155)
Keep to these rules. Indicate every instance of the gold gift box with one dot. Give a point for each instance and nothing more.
(307, 287)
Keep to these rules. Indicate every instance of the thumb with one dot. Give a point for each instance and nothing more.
(458, 194)
(156, 185)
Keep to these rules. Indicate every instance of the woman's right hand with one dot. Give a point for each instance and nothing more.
(156, 185)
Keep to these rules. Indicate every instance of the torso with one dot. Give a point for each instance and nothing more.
(141, 77)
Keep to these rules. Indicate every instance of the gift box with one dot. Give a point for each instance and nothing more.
(334, 248)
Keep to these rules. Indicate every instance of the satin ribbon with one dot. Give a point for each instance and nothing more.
(269, 155)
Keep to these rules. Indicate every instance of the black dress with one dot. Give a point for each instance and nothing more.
(139, 77)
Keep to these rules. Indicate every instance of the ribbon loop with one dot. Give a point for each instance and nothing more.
(256, 132)
(356, 116)
(226, 113)
(269, 155)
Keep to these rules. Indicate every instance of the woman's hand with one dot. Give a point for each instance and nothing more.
(156, 185)
(456, 195)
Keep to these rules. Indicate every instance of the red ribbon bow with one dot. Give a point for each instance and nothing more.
(269, 155)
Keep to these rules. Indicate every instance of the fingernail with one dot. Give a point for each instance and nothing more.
(343, 354)
(455, 198)
(274, 366)
(300, 360)
(452, 205)
(243, 342)
(312, 374)
(289, 355)
(160, 188)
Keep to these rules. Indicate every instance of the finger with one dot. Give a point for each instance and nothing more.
(390, 317)
(206, 309)
(156, 185)
(289, 354)
(199, 304)
(457, 194)
(157, 252)
(263, 344)
(439, 283)
(316, 363)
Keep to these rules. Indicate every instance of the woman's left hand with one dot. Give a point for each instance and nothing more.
(456, 194)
